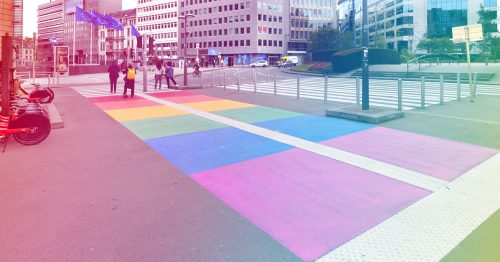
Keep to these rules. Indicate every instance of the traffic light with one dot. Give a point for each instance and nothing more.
(139, 42)
(132, 53)
(151, 45)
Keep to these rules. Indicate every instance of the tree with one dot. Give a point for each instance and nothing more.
(380, 41)
(346, 40)
(487, 18)
(437, 45)
(324, 39)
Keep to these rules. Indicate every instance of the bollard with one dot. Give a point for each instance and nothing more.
(238, 79)
(48, 80)
(475, 85)
(298, 87)
(357, 91)
(268, 73)
(400, 95)
(441, 90)
(326, 90)
(224, 79)
(422, 93)
(459, 87)
(254, 82)
(275, 87)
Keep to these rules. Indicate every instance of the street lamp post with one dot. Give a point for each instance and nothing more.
(184, 47)
(365, 99)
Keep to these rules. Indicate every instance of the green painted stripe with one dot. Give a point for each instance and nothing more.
(169, 126)
(483, 244)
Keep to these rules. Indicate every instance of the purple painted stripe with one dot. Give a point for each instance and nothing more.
(437, 157)
(309, 203)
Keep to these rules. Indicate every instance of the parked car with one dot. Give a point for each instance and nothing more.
(260, 63)
(285, 64)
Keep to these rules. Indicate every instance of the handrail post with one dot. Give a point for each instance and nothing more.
(357, 91)
(202, 78)
(238, 79)
(326, 90)
(254, 82)
(475, 84)
(422, 93)
(275, 86)
(400, 95)
(459, 87)
(298, 87)
(441, 90)
(268, 73)
(213, 76)
(224, 80)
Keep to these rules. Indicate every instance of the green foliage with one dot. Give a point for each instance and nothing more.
(407, 55)
(324, 39)
(346, 40)
(487, 18)
(437, 45)
(380, 41)
(347, 60)
(301, 68)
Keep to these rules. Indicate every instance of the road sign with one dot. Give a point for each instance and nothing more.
(467, 34)
(471, 32)
(197, 45)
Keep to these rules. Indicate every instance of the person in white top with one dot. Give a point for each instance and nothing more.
(158, 74)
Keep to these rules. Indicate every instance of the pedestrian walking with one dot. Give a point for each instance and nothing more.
(169, 74)
(114, 73)
(213, 63)
(158, 74)
(129, 81)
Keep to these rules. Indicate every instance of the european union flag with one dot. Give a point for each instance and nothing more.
(82, 15)
(98, 19)
(135, 32)
(114, 23)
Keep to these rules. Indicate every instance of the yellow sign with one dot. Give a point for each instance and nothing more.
(471, 32)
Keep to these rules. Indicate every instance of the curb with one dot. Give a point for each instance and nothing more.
(54, 116)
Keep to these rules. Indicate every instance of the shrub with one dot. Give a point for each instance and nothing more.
(348, 60)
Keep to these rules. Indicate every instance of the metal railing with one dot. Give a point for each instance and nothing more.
(400, 94)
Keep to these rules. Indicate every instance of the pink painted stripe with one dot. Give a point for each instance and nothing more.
(171, 94)
(102, 99)
(437, 157)
(309, 203)
(190, 99)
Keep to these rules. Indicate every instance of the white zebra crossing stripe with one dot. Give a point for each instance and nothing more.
(382, 92)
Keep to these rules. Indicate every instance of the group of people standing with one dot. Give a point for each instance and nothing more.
(168, 72)
(129, 78)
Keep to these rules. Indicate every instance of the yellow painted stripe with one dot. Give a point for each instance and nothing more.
(217, 105)
(143, 113)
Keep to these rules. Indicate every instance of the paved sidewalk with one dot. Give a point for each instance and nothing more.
(213, 175)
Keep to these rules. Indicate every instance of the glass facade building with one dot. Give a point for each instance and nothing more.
(443, 15)
(307, 16)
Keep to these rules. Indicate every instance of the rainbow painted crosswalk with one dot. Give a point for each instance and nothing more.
(310, 202)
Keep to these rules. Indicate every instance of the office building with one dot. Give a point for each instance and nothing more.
(118, 44)
(307, 17)
(50, 25)
(86, 35)
(6, 23)
(234, 31)
(402, 24)
(158, 19)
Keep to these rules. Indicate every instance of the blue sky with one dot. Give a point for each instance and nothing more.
(30, 19)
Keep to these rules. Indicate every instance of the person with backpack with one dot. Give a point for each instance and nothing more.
(159, 74)
(114, 73)
(129, 81)
(169, 74)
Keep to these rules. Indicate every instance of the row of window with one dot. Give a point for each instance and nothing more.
(299, 23)
(221, 8)
(325, 3)
(157, 26)
(313, 13)
(269, 30)
(270, 6)
(220, 20)
(270, 18)
(157, 17)
(168, 5)
(226, 31)
(228, 43)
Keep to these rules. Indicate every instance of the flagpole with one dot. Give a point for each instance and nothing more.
(74, 39)
(91, 44)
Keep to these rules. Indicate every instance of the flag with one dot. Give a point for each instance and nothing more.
(82, 15)
(135, 32)
(113, 22)
(98, 19)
